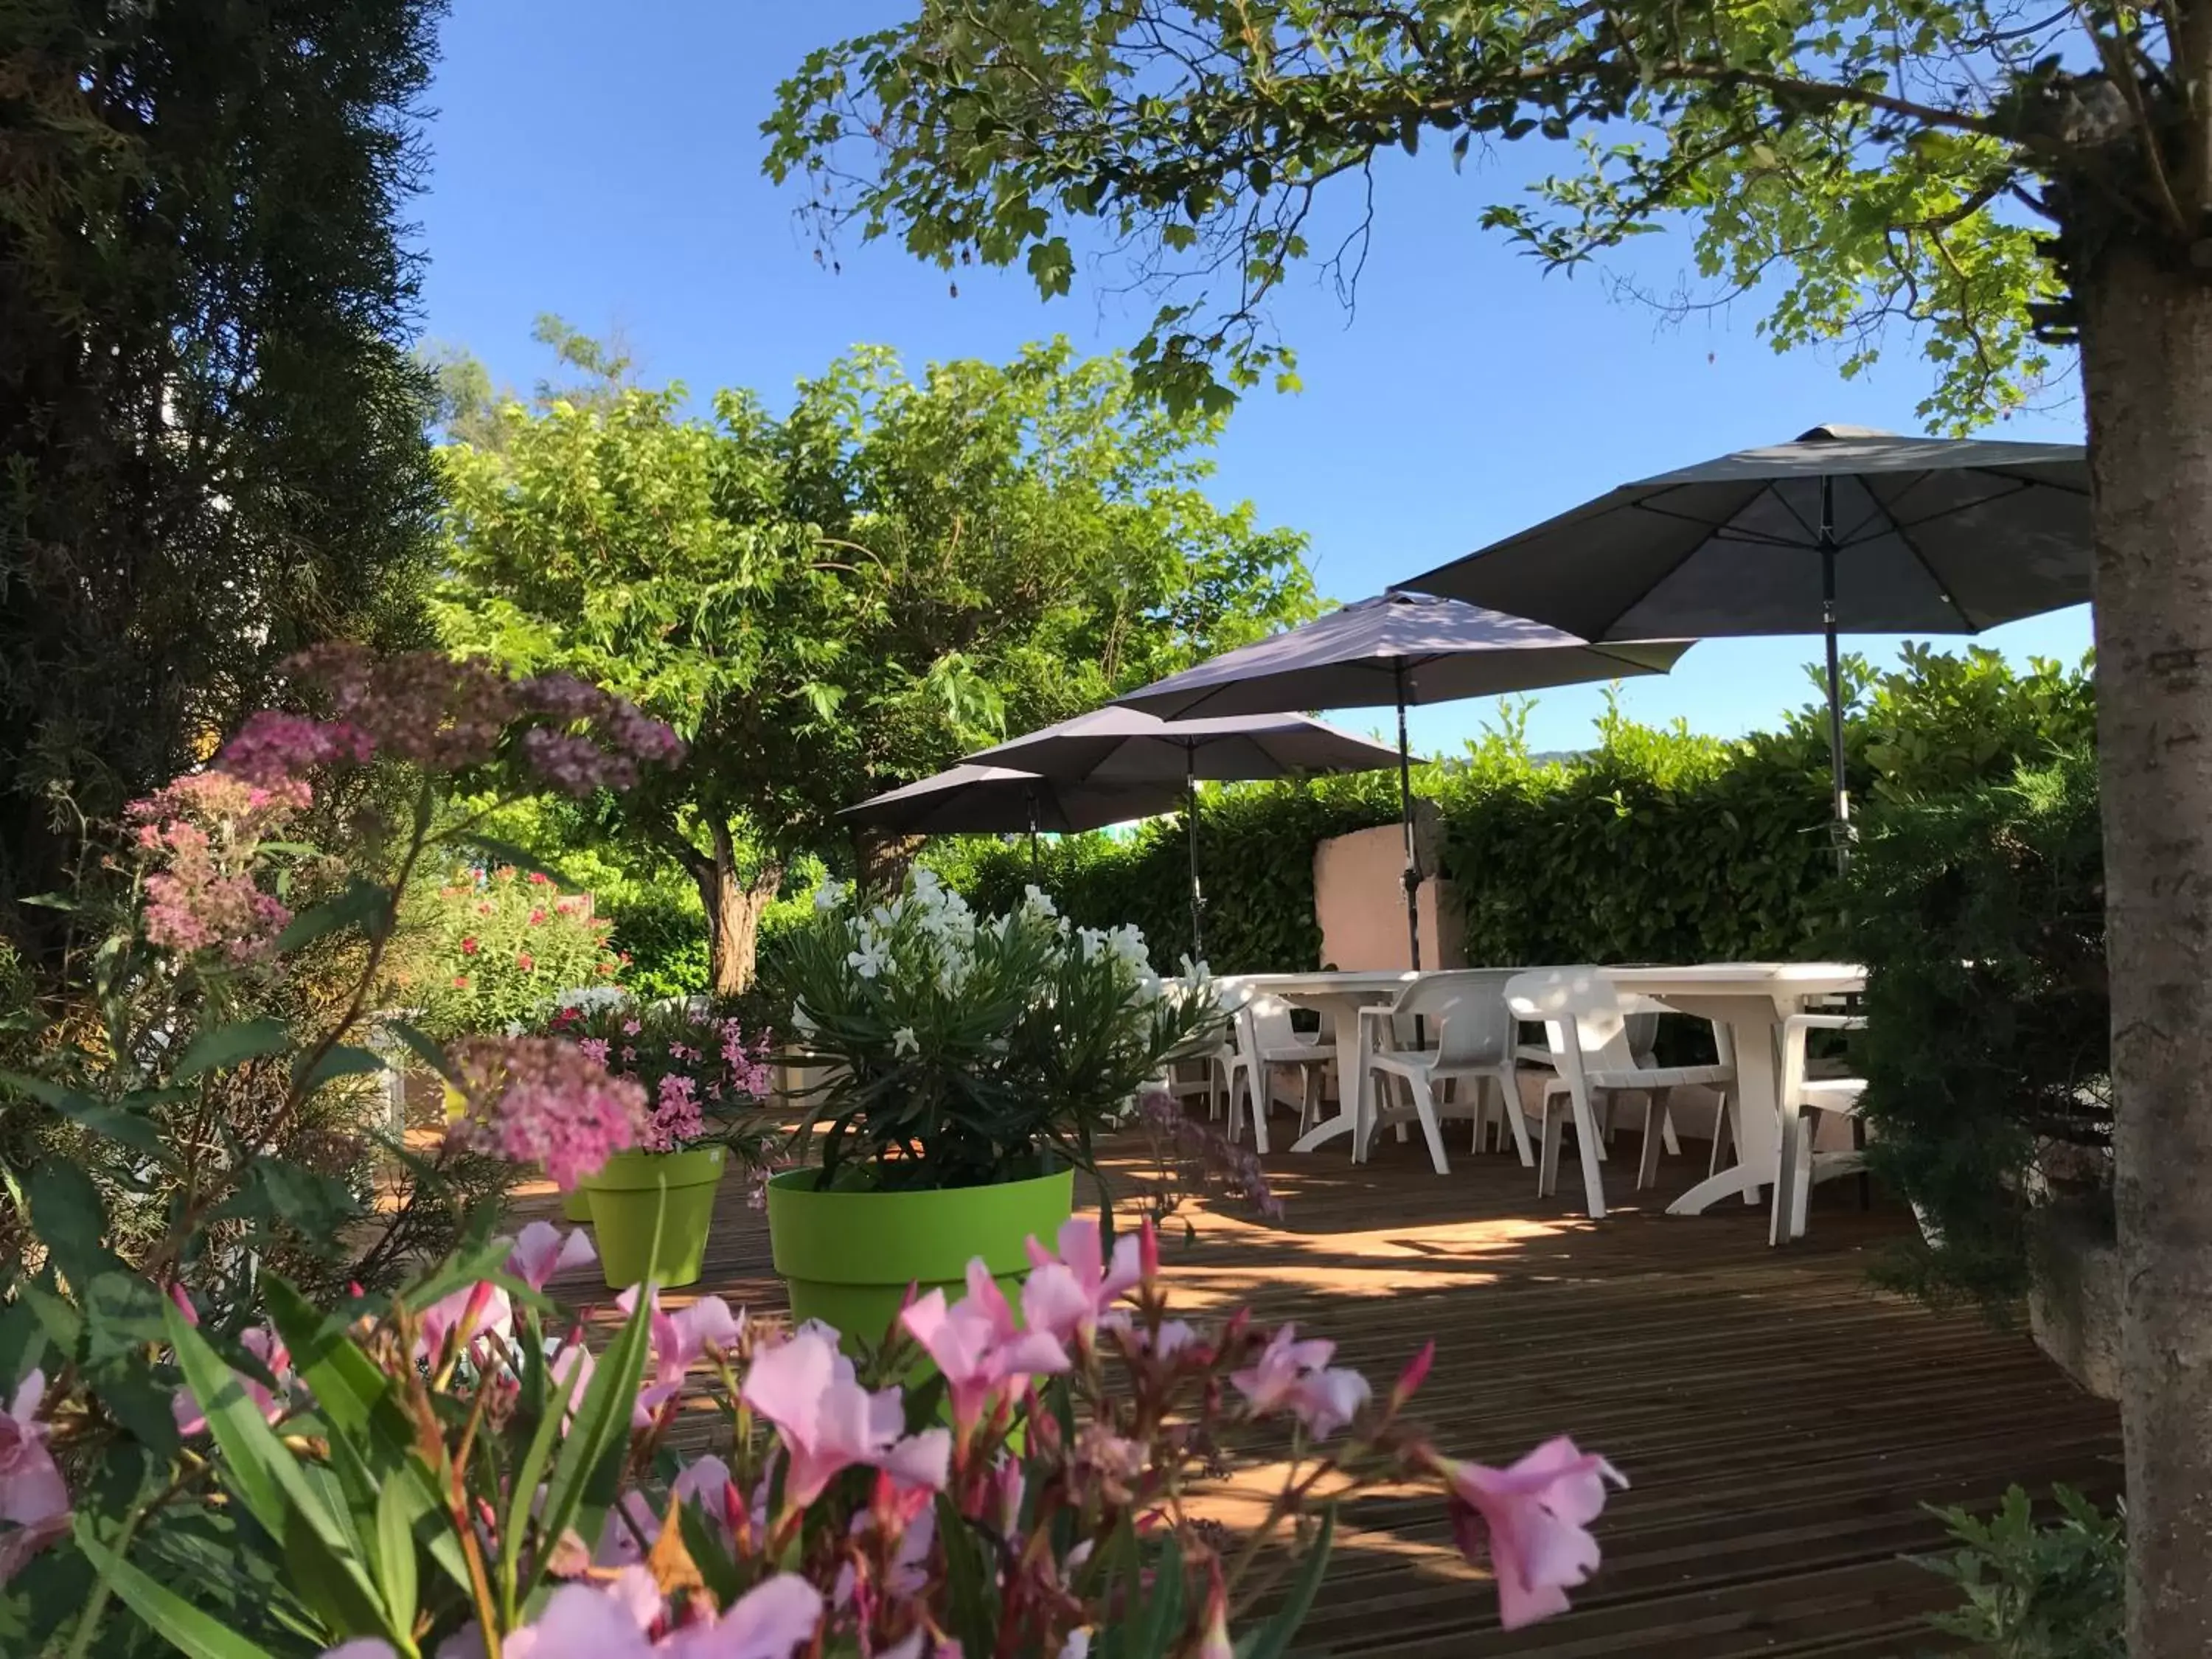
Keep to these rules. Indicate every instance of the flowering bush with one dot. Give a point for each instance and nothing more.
(701, 1076)
(224, 1114)
(963, 1051)
(455, 1472)
(496, 948)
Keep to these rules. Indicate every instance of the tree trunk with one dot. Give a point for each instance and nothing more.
(882, 858)
(2146, 370)
(734, 901)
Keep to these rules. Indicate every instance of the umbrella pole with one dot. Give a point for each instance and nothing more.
(1190, 820)
(1413, 876)
(1035, 874)
(1839, 787)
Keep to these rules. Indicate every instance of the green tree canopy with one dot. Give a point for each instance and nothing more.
(848, 596)
(211, 434)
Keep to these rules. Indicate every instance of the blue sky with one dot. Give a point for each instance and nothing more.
(612, 174)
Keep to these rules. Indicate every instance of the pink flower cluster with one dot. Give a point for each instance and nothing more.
(445, 714)
(540, 1100)
(697, 1067)
(201, 839)
(625, 1617)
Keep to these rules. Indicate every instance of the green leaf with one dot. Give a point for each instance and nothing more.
(70, 1220)
(1272, 1639)
(344, 1060)
(531, 1470)
(589, 1463)
(228, 1045)
(251, 1451)
(1162, 1623)
(190, 1631)
(122, 1312)
(965, 1579)
(396, 1514)
(423, 1048)
(362, 901)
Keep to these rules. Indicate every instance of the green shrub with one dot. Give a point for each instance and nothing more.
(2033, 1591)
(1987, 1054)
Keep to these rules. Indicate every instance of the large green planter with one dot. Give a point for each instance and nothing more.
(847, 1256)
(637, 1192)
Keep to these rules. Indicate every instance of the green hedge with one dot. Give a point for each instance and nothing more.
(1657, 844)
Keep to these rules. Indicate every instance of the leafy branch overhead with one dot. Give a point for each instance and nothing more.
(1850, 163)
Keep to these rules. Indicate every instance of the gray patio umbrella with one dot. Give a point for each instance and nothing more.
(1114, 745)
(1005, 800)
(1845, 530)
(1396, 650)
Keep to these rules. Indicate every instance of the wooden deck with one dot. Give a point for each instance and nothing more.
(1784, 1424)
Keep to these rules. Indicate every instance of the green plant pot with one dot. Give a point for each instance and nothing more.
(576, 1206)
(848, 1256)
(637, 1191)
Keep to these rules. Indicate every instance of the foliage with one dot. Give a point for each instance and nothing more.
(1848, 163)
(1656, 844)
(211, 438)
(427, 1475)
(849, 596)
(963, 1052)
(1988, 1059)
(491, 948)
(2036, 1591)
(703, 1077)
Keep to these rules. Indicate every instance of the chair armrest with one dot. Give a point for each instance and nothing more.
(1823, 1023)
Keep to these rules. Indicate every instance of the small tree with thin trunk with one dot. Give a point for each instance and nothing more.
(846, 598)
(2002, 178)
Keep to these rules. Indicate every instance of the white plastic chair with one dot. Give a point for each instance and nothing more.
(1586, 1020)
(1804, 1100)
(1266, 1040)
(1476, 1041)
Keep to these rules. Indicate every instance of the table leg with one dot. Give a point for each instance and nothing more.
(1751, 1023)
(1350, 1053)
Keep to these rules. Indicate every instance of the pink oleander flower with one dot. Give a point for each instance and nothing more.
(631, 1028)
(977, 1346)
(828, 1422)
(615, 1618)
(272, 746)
(595, 1047)
(542, 1250)
(470, 945)
(524, 961)
(1066, 1296)
(463, 1319)
(1294, 1375)
(544, 1101)
(680, 1340)
(33, 1498)
(537, 918)
(1531, 1521)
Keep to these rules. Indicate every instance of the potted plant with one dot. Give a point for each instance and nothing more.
(703, 1080)
(969, 1067)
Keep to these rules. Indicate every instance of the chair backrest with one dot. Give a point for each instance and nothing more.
(1267, 1018)
(1584, 1016)
(1466, 1006)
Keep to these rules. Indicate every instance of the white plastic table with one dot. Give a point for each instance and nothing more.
(1752, 999)
(1337, 998)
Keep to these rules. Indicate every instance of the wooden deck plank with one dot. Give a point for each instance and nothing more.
(1784, 1425)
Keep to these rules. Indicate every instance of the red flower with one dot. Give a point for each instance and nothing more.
(606, 967)
(524, 961)
(537, 917)
(460, 982)
(469, 945)
(540, 879)
(623, 958)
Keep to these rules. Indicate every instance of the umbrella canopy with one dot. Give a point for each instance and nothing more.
(1110, 746)
(1001, 799)
(1935, 535)
(1116, 744)
(1845, 529)
(1397, 650)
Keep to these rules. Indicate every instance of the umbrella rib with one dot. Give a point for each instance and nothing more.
(1904, 534)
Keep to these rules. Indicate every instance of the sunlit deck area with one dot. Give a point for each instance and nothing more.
(1783, 1423)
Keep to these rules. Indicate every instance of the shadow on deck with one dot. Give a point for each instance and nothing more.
(1783, 1423)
